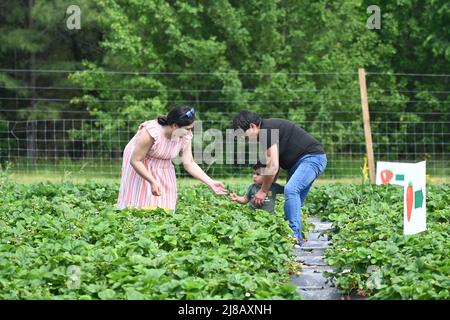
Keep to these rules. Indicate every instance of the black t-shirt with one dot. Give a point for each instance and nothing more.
(293, 141)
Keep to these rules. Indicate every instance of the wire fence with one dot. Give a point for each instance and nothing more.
(94, 147)
(82, 143)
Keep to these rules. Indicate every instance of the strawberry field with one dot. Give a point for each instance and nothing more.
(65, 241)
(68, 241)
(371, 256)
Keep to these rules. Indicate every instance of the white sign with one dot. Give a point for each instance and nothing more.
(412, 176)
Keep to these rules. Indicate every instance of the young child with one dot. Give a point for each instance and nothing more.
(269, 203)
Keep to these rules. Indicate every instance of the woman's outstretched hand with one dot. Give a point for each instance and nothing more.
(218, 188)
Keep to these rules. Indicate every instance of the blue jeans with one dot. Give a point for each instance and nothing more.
(300, 179)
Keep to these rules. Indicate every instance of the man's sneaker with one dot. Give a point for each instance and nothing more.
(298, 244)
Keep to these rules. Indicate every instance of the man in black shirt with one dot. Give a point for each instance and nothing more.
(290, 147)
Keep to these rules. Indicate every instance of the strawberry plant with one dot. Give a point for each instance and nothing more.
(371, 256)
(68, 241)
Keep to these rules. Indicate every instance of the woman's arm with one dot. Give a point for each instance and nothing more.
(194, 170)
(143, 144)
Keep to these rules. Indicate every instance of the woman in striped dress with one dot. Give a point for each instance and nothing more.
(148, 174)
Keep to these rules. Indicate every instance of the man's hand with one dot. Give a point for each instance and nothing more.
(259, 198)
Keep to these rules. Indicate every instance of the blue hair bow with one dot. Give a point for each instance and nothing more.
(189, 114)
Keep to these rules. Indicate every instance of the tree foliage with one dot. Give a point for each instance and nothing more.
(282, 58)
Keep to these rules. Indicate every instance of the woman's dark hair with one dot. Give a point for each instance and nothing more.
(181, 116)
(244, 118)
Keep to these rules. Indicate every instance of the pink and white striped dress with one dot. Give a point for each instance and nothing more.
(135, 191)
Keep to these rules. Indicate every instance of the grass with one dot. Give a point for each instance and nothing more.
(347, 172)
(182, 181)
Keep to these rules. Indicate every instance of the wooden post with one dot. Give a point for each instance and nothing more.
(366, 119)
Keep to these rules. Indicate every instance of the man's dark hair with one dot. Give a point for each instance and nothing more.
(244, 118)
(258, 165)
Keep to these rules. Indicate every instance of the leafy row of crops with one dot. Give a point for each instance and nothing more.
(66, 241)
(370, 254)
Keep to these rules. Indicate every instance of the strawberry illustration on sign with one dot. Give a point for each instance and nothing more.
(386, 176)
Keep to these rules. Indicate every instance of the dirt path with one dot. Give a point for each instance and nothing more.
(312, 283)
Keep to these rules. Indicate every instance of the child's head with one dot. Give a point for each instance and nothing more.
(257, 176)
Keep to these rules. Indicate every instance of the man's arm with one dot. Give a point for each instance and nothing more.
(269, 174)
